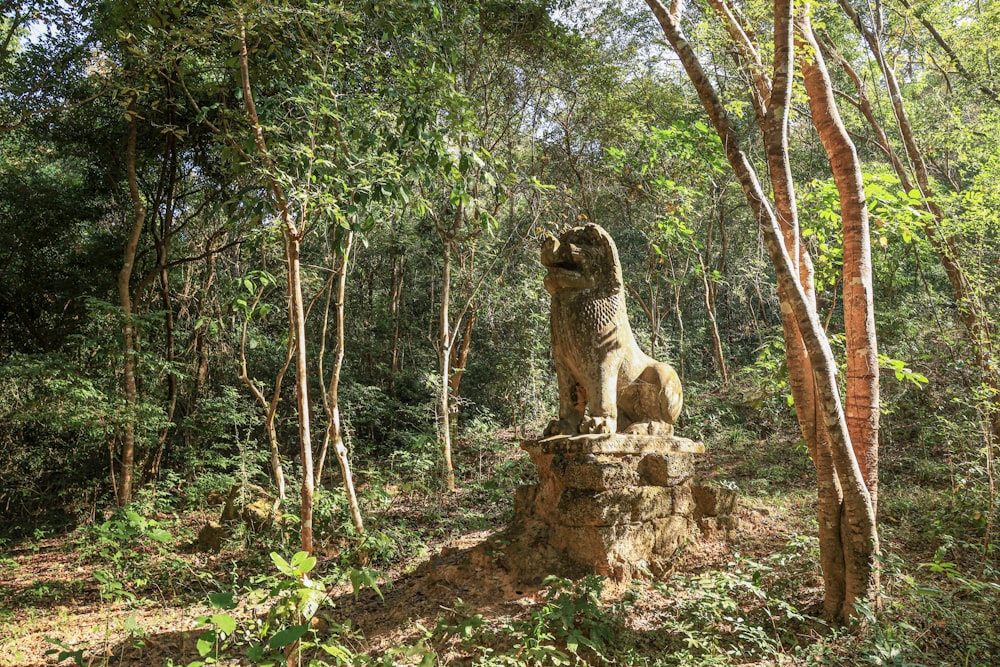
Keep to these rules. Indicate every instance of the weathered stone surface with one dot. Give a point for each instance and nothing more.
(596, 472)
(607, 508)
(683, 500)
(714, 500)
(672, 532)
(606, 383)
(524, 500)
(606, 503)
(609, 550)
(610, 443)
(665, 469)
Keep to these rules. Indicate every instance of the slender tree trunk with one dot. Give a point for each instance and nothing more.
(460, 356)
(296, 314)
(444, 346)
(201, 334)
(718, 356)
(678, 315)
(151, 468)
(270, 407)
(334, 431)
(129, 348)
(398, 260)
(153, 465)
(292, 235)
(971, 311)
(862, 402)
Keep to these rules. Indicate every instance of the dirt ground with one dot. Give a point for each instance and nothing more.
(49, 594)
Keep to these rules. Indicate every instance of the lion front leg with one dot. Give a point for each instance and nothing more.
(572, 399)
(603, 416)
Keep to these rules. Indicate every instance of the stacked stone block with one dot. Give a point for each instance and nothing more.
(611, 504)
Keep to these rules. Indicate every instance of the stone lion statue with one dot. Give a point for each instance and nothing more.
(598, 363)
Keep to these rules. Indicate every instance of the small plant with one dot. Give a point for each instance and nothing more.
(64, 652)
(570, 627)
(115, 543)
(290, 625)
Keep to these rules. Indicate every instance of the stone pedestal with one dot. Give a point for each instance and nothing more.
(609, 504)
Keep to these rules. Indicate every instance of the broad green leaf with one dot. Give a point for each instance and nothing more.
(224, 622)
(282, 565)
(206, 643)
(303, 563)
(287, 636)
(222, 600)
(160, 535)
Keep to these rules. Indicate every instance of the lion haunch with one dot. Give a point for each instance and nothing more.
(598, 363)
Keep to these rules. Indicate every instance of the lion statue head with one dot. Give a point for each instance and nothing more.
(582, 258)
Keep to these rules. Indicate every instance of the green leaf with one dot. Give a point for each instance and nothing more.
(206, 643)
(282, 565)
(303, 563)
(160, 535)
(287, 636)
(222, 600)
(342, 655)
(256, 652)
(224, 622)
(364, 577)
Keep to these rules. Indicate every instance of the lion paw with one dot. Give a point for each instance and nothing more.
(598, 425)
(650, 428)
(559, 427)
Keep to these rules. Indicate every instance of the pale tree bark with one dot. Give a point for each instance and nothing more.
(839, 476)
(270, 407)
(398, 261)
(447, 334)
(201, 332)
(334, 431)
(771, 96)
(151, 468)
(444, 344)
(718, 356)
(129, 346)
(292, 234)
(708, 297)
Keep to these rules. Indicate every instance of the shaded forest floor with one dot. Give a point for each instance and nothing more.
(130, 591)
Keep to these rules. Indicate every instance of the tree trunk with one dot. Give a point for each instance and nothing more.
(296, 315)
(270, 407)
(860, 543)
(444, 345)
(334, 432)
(862, 402)
(292, 236)
(201, 333)
(718, 356)
(129, 349)
(460, 357)
(398, 260)
(151, 468)
(971, 311)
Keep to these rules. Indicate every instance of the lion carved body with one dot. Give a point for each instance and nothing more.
(599, 366)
